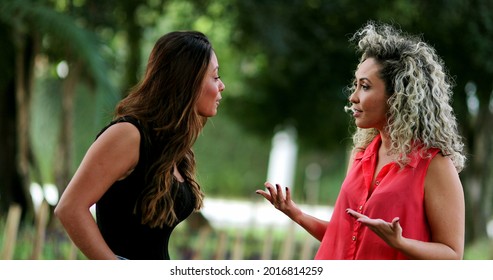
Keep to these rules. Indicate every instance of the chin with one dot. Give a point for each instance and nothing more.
(362, 126)
(208, 114)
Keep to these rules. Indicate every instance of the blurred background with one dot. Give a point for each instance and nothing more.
(66, 63)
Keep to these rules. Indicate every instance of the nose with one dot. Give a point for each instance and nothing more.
(222, 86)
(353, 98)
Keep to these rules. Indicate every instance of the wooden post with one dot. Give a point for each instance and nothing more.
(41, 221)
(11, 229)
(238, 247)
(268, 245)
(307, 251)
(72, 255)
(222, 245)
(288, 246)
(200, 248)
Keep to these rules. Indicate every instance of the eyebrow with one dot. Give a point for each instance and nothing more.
(364, 79)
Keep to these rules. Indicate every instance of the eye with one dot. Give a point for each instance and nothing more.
(365, 87)
(217, 78)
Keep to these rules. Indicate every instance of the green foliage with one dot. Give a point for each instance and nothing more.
(303, 63)
(45, 127)
(56, 245)
(92, 111)
(61, 34)
(480, 250)
(230, 162)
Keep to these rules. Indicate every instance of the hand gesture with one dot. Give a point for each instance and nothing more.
(276, 198)
(391, 232)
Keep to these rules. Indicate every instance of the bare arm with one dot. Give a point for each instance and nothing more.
(445, 210)
(110, 158)
(312, 225)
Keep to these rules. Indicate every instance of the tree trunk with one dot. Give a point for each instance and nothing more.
(63, 167)
(26, 47)
(478, 177)
(10, 181)
(134, 36)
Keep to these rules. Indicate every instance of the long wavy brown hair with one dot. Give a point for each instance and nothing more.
(164, 102)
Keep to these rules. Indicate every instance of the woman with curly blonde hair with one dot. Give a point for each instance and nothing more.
(402, 197)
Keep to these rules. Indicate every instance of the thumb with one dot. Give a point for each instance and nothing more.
(395, 223)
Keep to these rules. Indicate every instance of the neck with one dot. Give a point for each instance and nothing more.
(386, 141)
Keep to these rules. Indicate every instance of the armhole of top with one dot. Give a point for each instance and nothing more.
(143, 138)
(128, 119)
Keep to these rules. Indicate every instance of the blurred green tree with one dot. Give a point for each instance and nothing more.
(463, 34)
(30, 28)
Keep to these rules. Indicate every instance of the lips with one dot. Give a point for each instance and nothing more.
(352, 110)
(356, 112)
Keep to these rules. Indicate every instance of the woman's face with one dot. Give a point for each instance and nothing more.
(212, 86)
(369, 99)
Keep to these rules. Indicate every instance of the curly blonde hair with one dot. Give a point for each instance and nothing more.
(419, 90)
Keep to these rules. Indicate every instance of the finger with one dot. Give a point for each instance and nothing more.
(280, 195)
(271, 190)
(379, 226)
(288, 194)
(395, 223)
(354, 213)
(264, 194)
(268, 185)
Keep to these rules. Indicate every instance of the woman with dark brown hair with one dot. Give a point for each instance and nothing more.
(140, 170)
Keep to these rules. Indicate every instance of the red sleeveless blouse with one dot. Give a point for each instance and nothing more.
(397, 193)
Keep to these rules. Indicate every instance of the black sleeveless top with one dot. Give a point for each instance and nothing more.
(118, 217)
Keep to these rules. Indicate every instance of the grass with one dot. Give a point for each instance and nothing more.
(479, 250)
(184, 240)
(57, 246)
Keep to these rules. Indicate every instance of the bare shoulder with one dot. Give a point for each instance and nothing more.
(441, 174)
(124, 132)
(441, 164)
(123, 128)
(118, 143)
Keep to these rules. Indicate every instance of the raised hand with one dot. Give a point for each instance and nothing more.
(276, 197)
